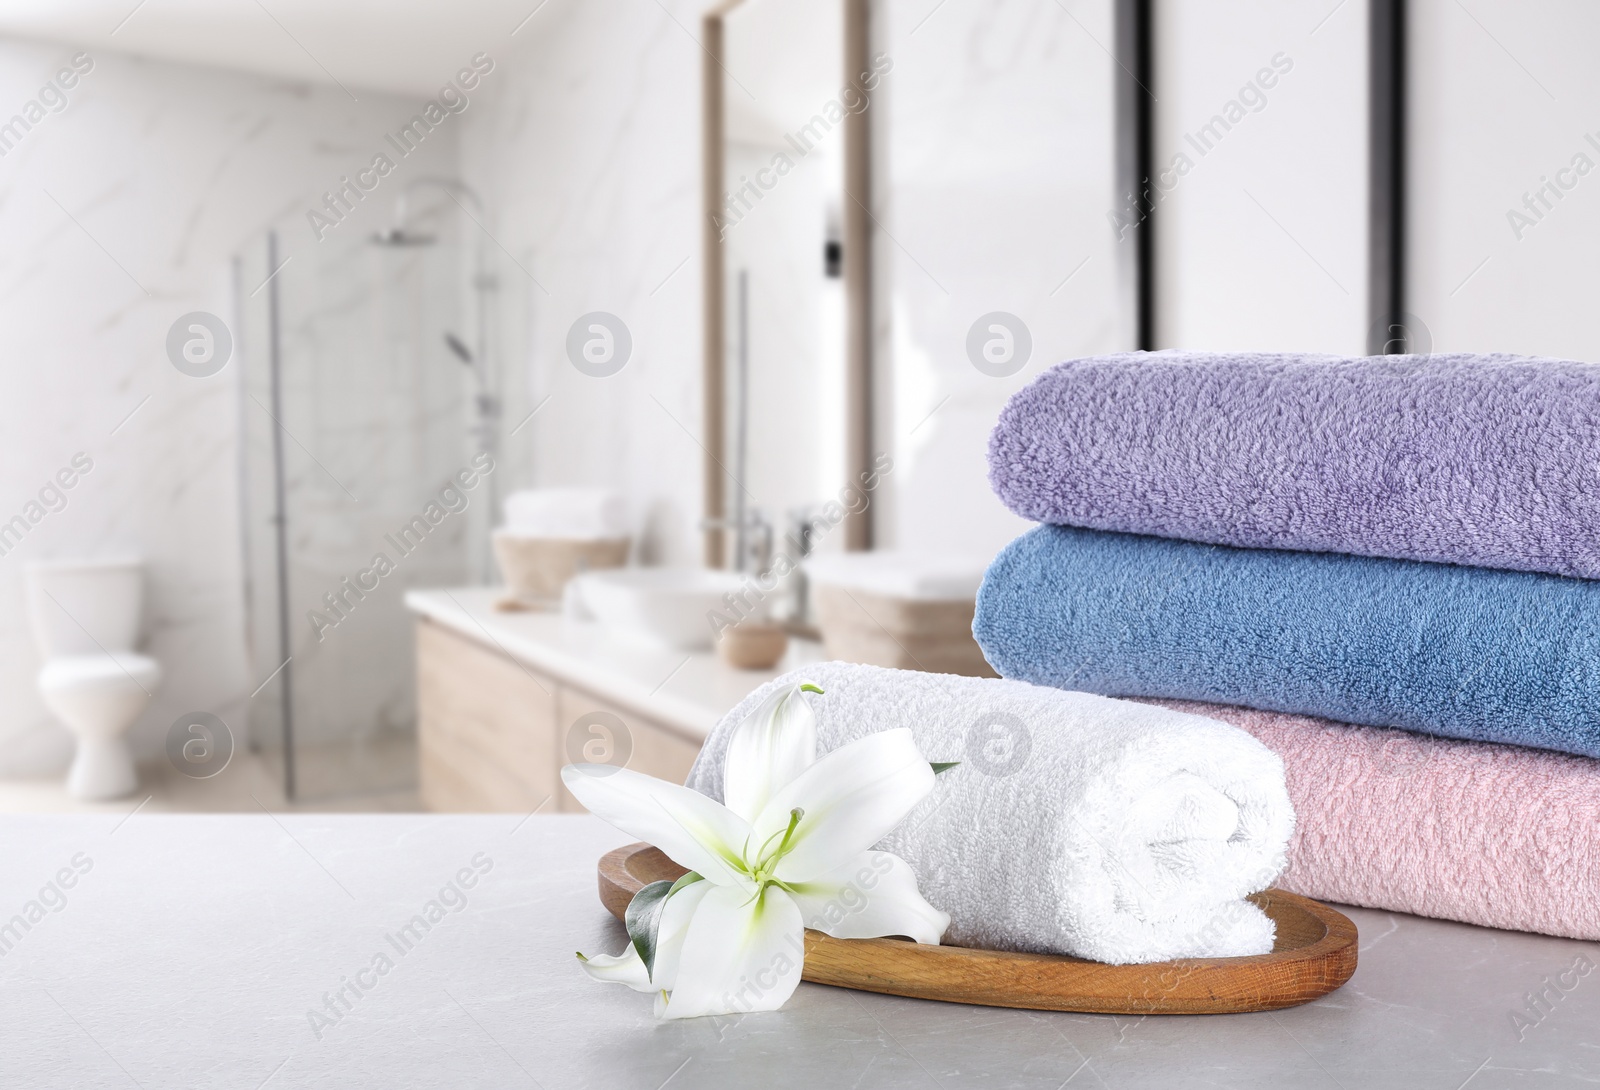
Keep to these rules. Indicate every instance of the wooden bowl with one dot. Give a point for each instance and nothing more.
(900, 633)
(753, 645)
(537, 568)
(1315, 953)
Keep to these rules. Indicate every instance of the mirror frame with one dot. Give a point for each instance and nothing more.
(856, 230)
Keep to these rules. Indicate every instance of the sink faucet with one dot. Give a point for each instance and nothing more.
(805, 525)
(752, 539)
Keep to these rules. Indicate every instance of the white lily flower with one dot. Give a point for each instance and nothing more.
(790, 850)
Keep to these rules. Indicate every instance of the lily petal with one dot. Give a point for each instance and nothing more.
(693, 830)
(628, 968)
(675, 921)
(850, 800)
(873, 895)
(741, 954)
(624, 968)
(769, 748)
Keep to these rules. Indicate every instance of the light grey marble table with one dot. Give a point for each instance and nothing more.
(190, 951)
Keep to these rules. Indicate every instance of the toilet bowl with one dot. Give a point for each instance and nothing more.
(86, 622)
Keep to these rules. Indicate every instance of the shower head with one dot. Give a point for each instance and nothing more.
(462, 351)
(399, 237)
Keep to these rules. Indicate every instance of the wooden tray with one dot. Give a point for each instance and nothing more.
(1315, 953)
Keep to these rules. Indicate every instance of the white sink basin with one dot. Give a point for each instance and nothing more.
(666, 607)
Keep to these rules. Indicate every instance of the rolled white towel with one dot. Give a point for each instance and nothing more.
(1074, 824)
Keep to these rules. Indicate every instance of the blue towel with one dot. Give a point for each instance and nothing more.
(1476, 653)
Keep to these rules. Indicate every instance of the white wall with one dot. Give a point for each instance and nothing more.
(119, 214)
(588, 152)
(1502, 99)
(1261, 232)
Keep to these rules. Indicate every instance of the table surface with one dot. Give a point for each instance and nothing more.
(686, 690)
(189, 950)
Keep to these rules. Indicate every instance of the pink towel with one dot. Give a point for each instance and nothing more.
(1487, 834)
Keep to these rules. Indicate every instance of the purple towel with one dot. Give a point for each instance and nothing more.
(1489, 461)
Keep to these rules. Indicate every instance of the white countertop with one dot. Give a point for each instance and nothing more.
(190, 948)
(686, 691)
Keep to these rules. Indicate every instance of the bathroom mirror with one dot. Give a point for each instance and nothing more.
(996, 223)
(785, 292)
(906, 220)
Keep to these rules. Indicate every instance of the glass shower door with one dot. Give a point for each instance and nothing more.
(358, 426)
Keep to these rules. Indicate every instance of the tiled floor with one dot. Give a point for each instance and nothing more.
(372, 778)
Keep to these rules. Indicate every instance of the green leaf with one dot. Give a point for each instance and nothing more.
(942, 766)
(687, 880)
(643, 920)
(810, 688)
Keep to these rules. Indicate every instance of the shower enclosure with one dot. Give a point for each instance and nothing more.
(370, 393)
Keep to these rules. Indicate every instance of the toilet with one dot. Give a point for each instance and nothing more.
(86, 616)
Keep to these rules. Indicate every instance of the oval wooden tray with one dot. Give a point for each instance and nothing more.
(1314, 954)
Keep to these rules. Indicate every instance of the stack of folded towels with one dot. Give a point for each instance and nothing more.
(1354, 606)
(1385, 569)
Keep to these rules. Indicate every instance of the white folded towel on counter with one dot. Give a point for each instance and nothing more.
(922, 577)
(580, 514)
(1075, 824)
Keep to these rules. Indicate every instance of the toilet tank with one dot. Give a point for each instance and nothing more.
(83, 607)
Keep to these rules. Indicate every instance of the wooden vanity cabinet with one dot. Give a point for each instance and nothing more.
(492, 734)
(652, 748)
